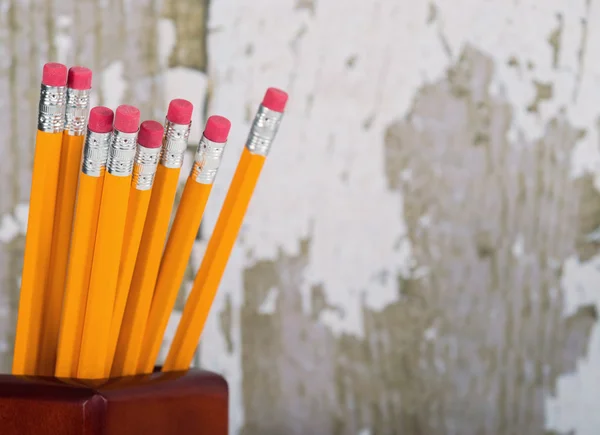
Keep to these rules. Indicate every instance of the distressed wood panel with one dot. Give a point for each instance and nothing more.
(420, 253)
(478, 338)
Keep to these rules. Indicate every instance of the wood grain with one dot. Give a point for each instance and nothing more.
(177, 403)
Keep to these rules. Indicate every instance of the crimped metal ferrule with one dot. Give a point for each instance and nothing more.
(263, 131)
(144, 168)
(121, 153)
(174, 144)
(76, 114)
(51, 111)
(207, 161)
(95, 153)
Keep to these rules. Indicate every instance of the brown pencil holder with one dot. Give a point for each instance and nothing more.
(178, 403)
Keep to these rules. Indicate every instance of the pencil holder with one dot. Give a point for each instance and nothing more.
(177, 403)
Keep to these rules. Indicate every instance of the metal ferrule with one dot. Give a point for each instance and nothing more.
(51, 113)
(76, 114)
(207, 161)
(263, 131)
(95, 153)
(144, 169)
(121, 153)
(174, 144)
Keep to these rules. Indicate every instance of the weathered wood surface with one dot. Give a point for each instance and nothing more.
(420, 256)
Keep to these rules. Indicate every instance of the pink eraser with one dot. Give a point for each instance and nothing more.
(275, 99)
(127, 119)
(217, 128)
(101, 119)
(180, 111)
(54, 74)
(151, 134)
(79, 78)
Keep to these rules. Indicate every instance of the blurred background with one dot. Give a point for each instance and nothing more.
(421, 253)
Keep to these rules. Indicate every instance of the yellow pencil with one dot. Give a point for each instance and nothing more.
(152, 244)
(109, 243)
(197, 307)
(146, 159)
(181, 238)
(83, 240)
(79, 83)
(38, 239)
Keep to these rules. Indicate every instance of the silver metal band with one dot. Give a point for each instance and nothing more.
(121, 153)
(144, 169)
(76, 114)
(174, 144)
(95, 153)
(263, 131)
(207, 161)
(51, 111)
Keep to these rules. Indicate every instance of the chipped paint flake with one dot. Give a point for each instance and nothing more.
(9, 228)
(166, 40)
(113, 84)
(62, 38)
(269, 303)
(22, 216)
(572, 407)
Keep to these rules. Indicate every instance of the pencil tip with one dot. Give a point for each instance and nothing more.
(217, 128)
(275, 99)
(54, 74)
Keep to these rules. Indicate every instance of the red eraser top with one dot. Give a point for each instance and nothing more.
(79, 78)
(180, 111)
(127, 119)
(54, 74)
(275, 99)
(101, 120)
(217, 129)
(151, 134)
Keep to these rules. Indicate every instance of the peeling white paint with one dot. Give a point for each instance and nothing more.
(573, 408)
(324, 179)
(269, 304)
(503, 30)
(518, 248)
(22, 216)
(113, 84)
(62, 38)
(14, 224)
(9, 228)
(430, 334)
(167, 37)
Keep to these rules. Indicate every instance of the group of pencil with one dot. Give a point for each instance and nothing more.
(102, 269)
